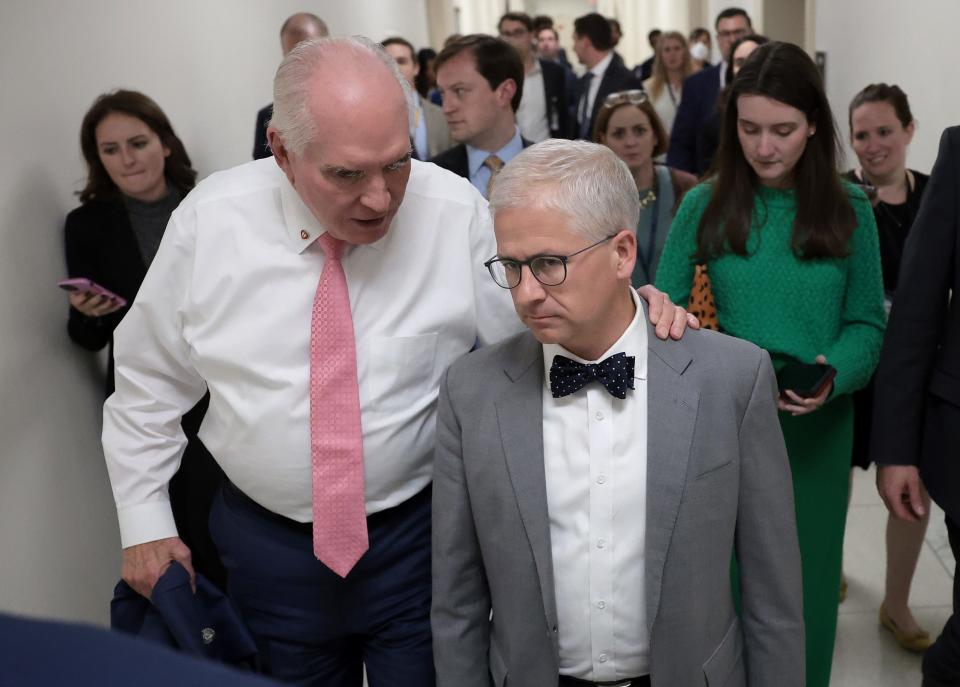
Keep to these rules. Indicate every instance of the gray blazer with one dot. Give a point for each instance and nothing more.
(718, 481)
(438, 134)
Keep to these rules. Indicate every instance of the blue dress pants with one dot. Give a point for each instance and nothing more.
(315, 628)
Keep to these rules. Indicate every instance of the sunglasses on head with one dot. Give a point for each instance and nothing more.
(632, 97)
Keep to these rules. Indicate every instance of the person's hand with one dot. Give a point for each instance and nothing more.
(93, 305)
(144, 564)
(669, 319)
(899, 487)
(797, 405)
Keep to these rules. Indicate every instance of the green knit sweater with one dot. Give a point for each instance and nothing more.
(795, 309)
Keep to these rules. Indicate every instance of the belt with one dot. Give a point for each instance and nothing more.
(642, 681)
(234, 494)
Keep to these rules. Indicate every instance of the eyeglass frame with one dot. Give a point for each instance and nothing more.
(634, 96)
(529, 264)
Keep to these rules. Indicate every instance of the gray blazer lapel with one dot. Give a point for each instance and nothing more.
(520, 416)
(671, 413)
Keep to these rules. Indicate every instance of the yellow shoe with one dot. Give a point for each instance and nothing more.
(917, 642)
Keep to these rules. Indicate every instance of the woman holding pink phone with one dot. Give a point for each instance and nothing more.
(137, 173)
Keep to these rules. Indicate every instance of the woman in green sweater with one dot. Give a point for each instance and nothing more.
(794, 261)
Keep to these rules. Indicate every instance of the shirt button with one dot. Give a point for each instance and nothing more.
(603, 658)
(602, 479)
(601, 543)
(599, 416)
(601, 605)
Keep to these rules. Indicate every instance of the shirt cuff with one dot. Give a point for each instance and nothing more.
(146, 522)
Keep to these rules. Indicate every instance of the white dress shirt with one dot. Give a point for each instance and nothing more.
(595, 455)
(226, 306)
(532, 116)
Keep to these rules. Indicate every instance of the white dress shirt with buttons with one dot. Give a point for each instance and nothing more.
(595, 455)
(226, 306)
(532, 115)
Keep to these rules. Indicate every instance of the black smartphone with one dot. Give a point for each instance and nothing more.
(806, 380)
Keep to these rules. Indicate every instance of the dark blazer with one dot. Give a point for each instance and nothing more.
(916, 418)
(205, 623)
(100, 245)
(644, 70)
(455, 159)
(555, 90)
(261, 148)
(37, 652)
(617, 78)
(697, 104)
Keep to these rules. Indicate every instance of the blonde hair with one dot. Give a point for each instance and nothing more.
(660, 78)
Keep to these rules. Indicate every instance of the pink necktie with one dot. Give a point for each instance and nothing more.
(336, 440)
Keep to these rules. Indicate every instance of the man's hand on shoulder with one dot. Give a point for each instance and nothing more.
(669, 319)
(144, 564)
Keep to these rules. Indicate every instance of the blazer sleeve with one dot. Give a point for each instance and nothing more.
(766, 543)
(82, 245)
(919, 315)
(460, 615)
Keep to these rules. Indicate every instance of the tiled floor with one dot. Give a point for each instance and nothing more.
(866, 654)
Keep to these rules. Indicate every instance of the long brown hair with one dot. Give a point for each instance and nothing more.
(660, 78)
(177, 167)
(825, 219)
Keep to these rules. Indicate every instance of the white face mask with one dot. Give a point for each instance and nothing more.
(699, 51)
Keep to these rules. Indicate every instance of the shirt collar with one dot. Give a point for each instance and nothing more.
(301, 226)
(633, 342)
(536, 69)
(475, 156)
(600, 68)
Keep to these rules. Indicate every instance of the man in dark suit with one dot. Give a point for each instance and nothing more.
(916, 426)
(40, 653)
(688, 149)
(298, 27)
(481, 79)
(593, 43)
(644, 70)
(543, 108)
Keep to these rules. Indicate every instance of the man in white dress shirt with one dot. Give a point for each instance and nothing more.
(266, 270)
(591, 482)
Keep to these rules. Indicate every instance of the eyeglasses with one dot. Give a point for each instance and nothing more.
(632, 97)
(549, 270)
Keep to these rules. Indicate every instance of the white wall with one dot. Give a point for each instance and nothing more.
(210, 66)
(868, 41)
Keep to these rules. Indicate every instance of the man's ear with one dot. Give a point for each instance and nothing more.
(280, 152)
(625, 244)
(506, 90)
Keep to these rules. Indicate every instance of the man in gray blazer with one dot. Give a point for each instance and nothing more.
(592, 481)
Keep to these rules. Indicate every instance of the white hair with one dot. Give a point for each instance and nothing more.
(585, 181)
(291, 86)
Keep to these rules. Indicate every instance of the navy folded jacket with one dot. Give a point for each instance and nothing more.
(205, 624)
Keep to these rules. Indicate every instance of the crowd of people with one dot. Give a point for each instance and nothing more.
(322, 399)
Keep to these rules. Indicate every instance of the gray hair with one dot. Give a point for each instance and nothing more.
(291, 109)
(585, 181)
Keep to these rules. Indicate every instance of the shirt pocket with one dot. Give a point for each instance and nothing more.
(400, 370)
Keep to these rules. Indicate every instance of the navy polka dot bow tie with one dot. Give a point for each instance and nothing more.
(569, 376)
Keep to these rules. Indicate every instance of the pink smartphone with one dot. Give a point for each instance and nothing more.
(82, 284)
